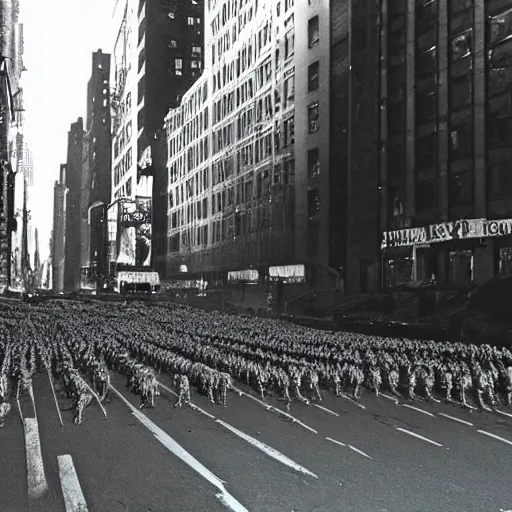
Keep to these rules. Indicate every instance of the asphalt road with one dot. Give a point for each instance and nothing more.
(343, 459)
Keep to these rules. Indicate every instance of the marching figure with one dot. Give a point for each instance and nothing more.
(183, 385)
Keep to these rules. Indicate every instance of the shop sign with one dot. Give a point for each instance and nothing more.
(447, 231)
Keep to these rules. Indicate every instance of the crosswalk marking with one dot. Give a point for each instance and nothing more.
(74, 499)
(419, 437)
(223, 496)
(36, 477)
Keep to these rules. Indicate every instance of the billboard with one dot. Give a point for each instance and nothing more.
(134, 236)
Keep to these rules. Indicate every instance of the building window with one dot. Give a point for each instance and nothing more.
(313, 32)
(461, 141)
(174, 44)
(313, 203)
(194, 64)
(289, 44)
(426, 150)
(313, 117)
(289, 90)
(460, 271)
(505, 262)
(500, 180)
(190, 21)
(178, 63)
(196, 49)
(289, 132)
(461, 189)
(313, 163)
(426, 195)
(313, 79)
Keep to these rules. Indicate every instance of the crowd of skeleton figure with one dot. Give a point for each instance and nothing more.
(81, 344)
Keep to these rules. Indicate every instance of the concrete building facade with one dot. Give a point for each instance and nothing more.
(446, 187)
(58, 240)
(11, 128)
(74, 176)
(99, 153)
(157, 56)
(249, 146)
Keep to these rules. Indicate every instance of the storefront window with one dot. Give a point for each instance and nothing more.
(398, 272)
(461, 268)
(506, 261)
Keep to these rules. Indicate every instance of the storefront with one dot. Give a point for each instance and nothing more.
(458, 254)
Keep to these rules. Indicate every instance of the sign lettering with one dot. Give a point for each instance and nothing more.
(446, 231)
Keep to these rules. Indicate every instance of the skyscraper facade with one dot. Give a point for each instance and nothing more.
(98, 158)
(446, 186)
(58, 241)
(157, 56)
(73, 180)
(249, 146)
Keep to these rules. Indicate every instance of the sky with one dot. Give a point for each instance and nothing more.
(60, 37)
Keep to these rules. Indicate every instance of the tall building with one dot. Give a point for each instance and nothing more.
(249, 146)
(58, 240)
(446, 186)
(74, 172)
(11, 126)
(99, 151)
(157, 56)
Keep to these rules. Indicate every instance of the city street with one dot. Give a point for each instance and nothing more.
(375, 455)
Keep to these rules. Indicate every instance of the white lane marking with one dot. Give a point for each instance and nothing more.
(326, 410)
(278, 411)
(36, 478)
(254, 442)
(359, 451)
(226, 498)
(346, 397)
(419, 437)
(504, 413)
(390, 398)
(190, 404)
(271, 452)
(464, 422)
(74, 499)
(418, 409)
(494, 436)
(335, 442)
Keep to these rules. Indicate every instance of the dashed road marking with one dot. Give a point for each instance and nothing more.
(226, 499)
(494, 436)
(326, 410)
(418, 410)
(74, 499)
(504, 413)
(464, 422)
(359, 451)
(278, 411)
(271, 452)
(393, 399)
(36, 477)
(346, 397)
(413, 434)
(335, 442)
(190, 404)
